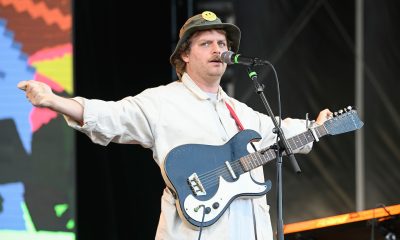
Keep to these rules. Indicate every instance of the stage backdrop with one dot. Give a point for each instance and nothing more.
(37, 186)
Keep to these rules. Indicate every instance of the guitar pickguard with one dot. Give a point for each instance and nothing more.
(226, 193)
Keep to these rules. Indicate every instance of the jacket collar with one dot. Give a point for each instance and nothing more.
(198, 92)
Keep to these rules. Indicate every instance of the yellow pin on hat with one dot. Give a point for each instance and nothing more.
(209, 16)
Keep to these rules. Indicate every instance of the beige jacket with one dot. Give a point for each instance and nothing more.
(164, 117)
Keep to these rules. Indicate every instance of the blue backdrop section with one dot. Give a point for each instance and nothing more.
(37, 166)
(14, 68)
(11, 214)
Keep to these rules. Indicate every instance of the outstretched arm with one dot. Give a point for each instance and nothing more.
(41, 95)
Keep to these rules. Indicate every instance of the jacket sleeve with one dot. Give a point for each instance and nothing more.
(130, 120)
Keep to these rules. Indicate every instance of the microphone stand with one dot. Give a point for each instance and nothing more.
(284, 144)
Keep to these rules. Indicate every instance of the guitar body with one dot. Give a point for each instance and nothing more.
(210, 176)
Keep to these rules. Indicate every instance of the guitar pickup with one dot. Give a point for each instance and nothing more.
(230, 170)
(196, 186)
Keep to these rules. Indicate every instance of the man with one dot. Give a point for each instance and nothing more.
(193, 109)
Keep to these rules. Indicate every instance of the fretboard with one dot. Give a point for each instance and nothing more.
(256, 159)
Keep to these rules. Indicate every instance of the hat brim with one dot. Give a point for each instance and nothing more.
(232, 33)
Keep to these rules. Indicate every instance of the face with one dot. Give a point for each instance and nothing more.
(202, 60)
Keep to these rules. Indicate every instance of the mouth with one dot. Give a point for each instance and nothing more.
(216, 60)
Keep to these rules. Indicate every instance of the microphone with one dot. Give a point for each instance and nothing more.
(230, 57)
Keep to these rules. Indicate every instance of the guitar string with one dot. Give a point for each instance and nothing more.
(236, 166)
(254, 157)
(210, 176)
(217, 171)
(212, 173)
(222, 167)
(226, 174)
(224, 171)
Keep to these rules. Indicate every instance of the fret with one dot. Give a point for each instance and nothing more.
(248, 163)
(255, 160)
(253, 164)
(270, 154)
(243, 163)
(308, 136)
(298, 142)
(292, 143)
(304, 139)
(301, 139)
(258, 158)
(321, 131)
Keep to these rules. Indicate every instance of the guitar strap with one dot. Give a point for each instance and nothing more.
(233, 114)
(238, 123)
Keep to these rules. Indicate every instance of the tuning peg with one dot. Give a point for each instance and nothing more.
(335, 114)
(349, 108)
(340, 111)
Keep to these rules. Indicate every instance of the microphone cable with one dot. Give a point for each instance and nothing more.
(202, 221)
(278, 92)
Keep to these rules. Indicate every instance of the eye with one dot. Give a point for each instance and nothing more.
(205, 44)
(222, 44)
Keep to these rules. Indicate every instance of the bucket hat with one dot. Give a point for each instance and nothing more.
(204, 21)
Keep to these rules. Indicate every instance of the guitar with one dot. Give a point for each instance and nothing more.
(205, 179)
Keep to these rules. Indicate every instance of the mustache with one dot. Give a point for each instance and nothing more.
(216, 58)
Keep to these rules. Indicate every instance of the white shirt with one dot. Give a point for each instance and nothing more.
(164, 117)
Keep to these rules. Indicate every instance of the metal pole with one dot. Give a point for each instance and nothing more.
(359, 91)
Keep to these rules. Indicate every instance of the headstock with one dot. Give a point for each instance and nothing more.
(344, 120)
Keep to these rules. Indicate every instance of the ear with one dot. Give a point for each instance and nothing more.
(185, 57)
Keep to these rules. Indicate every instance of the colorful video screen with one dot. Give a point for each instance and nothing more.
(37, 149)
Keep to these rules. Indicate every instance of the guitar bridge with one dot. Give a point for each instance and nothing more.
(196, 186)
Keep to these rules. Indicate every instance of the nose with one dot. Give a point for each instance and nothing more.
(216, 48)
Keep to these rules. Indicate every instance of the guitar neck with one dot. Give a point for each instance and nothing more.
(256, 159)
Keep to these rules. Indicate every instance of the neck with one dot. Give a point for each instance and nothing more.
(210, 85)
(209, 88)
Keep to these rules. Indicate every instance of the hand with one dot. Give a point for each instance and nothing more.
(323, 116)
(38, 93)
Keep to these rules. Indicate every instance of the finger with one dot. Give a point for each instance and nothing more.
(29, 89)
(22, 85)
(329, 114)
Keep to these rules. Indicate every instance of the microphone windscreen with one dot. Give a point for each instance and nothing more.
(226, 57)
